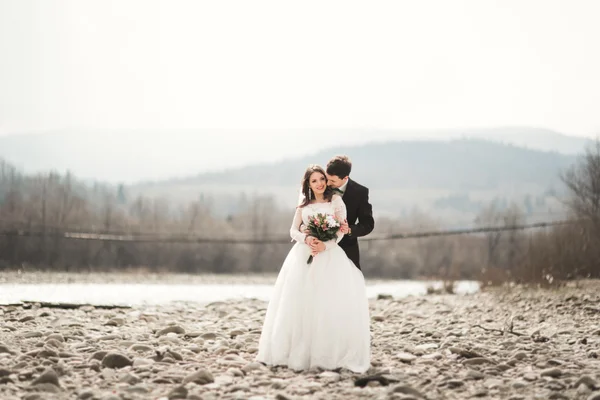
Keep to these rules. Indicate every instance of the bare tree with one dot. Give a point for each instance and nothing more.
(582, 181)
(513, 216)
(583, 184)
(491, 216)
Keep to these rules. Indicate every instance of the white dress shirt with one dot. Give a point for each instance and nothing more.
(343, 187)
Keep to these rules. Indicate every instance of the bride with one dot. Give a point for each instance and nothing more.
(318, 315)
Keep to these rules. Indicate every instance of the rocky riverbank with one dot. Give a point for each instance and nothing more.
(504, 344)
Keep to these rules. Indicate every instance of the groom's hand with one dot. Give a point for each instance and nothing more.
(344, 228)
(310, 240)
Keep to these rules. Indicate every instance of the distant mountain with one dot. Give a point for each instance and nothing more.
(535, 139)
(446, 174)
(466, 164)
(133, 156)
(447, 179)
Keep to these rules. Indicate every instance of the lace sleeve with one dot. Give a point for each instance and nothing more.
(295, 232)
(339, 208)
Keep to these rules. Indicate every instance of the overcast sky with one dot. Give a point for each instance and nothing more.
(309, 64)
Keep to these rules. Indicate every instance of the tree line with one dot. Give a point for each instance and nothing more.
(51, 203)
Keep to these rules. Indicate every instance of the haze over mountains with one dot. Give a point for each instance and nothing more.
(133, 156)
(451, 174)
(453, 179)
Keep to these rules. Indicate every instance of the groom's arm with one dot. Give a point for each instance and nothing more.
(366, 223)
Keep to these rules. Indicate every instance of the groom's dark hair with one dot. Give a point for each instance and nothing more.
(340, 166)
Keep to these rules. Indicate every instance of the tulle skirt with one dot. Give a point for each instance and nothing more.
(318, 315)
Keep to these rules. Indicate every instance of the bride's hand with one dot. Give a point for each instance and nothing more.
(314, 249)
(317, 246)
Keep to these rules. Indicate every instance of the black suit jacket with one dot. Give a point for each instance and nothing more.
(360, 218)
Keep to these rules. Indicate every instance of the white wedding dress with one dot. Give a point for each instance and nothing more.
(318, 315)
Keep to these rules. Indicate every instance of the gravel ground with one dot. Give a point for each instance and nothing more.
(502, 344)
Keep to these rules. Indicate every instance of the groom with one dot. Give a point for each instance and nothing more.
(356, 198)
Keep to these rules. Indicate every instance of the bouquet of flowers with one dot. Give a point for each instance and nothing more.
(323, 227)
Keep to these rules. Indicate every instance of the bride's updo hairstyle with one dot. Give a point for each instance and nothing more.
(328, 194)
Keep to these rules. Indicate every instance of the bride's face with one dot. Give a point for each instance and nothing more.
(317, 182)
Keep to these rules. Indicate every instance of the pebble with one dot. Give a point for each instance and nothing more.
(254, 366)
(48, 376)
(406, 357)
(552, 372)
(35, 334)
(477, 361)
(115, 322)
(171, 329)
(116, 360)
(475, 375)
(201, 377)
(530, 377)
(587, 381)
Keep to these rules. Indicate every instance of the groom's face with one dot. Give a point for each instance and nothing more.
(335, 182)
